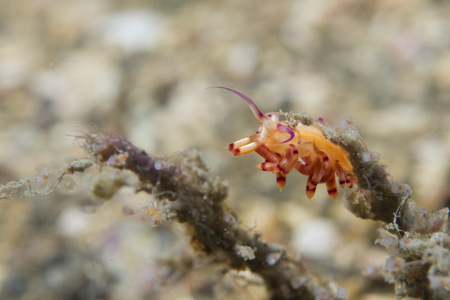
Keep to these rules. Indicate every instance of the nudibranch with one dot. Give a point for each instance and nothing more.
(286, 146)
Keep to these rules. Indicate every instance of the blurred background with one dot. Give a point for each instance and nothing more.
(142, 69)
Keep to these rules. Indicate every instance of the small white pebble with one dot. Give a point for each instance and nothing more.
(439, 237)
(127, 211)
(133, 31)
(412, 244)
(155, 222)
(390, 243)
(348, 121)
(298, 282)
(245, 252)
(372, 271)
(273, 258)
(439, 281)
(371, 156)
(243, 58)
(72, 222)
(316, 239)
(392, 264)
(68, 161)
(341, 293)
(229, 218)
(81, 165)
(158, 164)
(405, 243)
(399, 188)
(118, 160)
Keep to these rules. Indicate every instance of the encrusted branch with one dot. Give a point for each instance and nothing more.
(415, 239)
(197, 199)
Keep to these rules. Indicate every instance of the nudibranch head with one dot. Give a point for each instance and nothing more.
(272, 132)
(302, 147)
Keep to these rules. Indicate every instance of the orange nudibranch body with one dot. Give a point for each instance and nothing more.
(302, 147)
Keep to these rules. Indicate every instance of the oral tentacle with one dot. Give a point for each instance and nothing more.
(245, 149)
(237, 144)
(240, 145)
